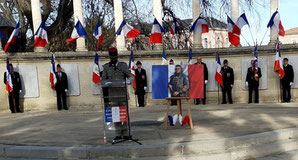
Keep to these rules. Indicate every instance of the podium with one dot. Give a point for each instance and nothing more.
(116, 111)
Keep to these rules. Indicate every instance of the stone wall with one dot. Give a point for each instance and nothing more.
(41, 97)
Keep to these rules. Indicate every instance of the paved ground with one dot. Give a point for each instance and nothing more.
(84, 126)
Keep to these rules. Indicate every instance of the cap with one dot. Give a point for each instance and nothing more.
(58, 66)
(138, 62)
(225, 61)
(286, 59)
(171, 60)
(113, 53)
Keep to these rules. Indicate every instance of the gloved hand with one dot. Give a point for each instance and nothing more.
(20, 91)
(231, 85)
(291, 83)
(206, 81)
(145, 88)
(128, 81)
(246, 83)
(107, 83)
(65, 90)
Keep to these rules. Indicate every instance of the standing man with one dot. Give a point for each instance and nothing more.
(252, 81)
(199, 62)
(61, 87)
(13, 96)
(112, 71)
(141, 83)
(287, 81)
(228, 82)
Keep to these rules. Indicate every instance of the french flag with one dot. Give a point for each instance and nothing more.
(200, 26)
(127, 30)
(41, 36)
(233, 39)
(164, 58)
(9, 86)
(132, 67)
(241, 21)
(174, 27)
(255, 62)
(116, 114)
(96, 75)
(98, 33)
(190, 56)
(53, 79)
(218, 75)
(275, 24)
(14, 35)
(77, 32)
(156, 32)
(278, 66)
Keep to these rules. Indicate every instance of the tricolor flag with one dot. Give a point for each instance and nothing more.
(200, 26)
(9, 86)
(41, 36)
(218, 75)
(278, 65)
(132, 67)
(255, 62)
(233, 39)
(190, 56)
(127, 30)
(53, 79)
(156, 32)
(77, 32)
(164, 58)
(96, 71)
(14, 35)
(275, 24)
(241, 21)
(174, 27)
(116, 114)
(98, 33)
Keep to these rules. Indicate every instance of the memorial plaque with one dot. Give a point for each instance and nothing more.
(246, 63)
(29, 80)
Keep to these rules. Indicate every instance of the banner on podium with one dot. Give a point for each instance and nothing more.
(116, 114)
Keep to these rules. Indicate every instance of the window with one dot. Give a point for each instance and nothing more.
(206, 42)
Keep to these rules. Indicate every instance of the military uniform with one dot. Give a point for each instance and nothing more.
(228, 82)
(253, 83)
(141, 82)
(13, 96)
(286, 81)
(179, 83)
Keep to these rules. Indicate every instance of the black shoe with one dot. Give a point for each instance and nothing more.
(257, 102)
(117, 138)
(59, 109)
(197, 103)
(223, 102)
(65, 108)
(249, 102)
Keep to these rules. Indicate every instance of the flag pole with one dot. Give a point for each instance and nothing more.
(251, 35)
(245, 40)
(264, 36)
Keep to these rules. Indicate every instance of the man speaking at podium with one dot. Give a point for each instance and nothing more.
(113, 71)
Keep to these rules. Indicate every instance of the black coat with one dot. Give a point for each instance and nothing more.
(205, 71)
(227, 80)
(62, 82)
(250, 76)
(141, 81)
(289, 74)
(16, 81)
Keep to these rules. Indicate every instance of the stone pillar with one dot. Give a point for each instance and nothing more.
(197, 37)
(36, 18)
(118, 11)
(234, 10)
(157, 12)
(78, 15)
(273, 8)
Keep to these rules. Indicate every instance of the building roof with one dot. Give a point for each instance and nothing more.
(292, 31)
(4, 22)
(212, 23)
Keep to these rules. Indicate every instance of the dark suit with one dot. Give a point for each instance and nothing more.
(60, 87)
(141, 82)
(253, 83)
(14, 102)
(228, 81)
(285, 82)
(205, 78)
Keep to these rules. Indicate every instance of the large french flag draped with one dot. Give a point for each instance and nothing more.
(98, 33)
(174, 27)
(9, 86)
(132, 67)
(241, 21)
(200, 26)
(96, 75)
(41, 36)
(278, 66)
(218, 75)
(127, 30)
(164, 58)
(233, 39)
(275, 24)
(53, 79)
(14, 35)
(156, 32)
(116, 114)
(77, 32)
(196, 81)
